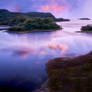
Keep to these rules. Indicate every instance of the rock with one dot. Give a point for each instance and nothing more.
(62, 20)
(70, 74)
(87, 28)
(84, 18)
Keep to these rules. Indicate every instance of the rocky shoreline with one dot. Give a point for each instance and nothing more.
(69, 75)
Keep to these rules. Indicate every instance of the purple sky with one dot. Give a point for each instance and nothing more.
(60, 8)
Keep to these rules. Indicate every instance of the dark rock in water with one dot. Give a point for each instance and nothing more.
(61, 20)
(70, 74)
(84, 18)
(87, 28)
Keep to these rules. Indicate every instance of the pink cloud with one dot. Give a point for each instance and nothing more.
(53, 7)
(16, 9)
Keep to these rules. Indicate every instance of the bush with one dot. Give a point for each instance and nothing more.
(17, 20)
(30, 24)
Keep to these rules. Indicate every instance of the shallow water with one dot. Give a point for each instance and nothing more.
(23, 56)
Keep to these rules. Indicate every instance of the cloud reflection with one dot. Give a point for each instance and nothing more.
(62, 48)
(23, 52)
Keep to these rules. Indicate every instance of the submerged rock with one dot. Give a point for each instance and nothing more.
(70, 74)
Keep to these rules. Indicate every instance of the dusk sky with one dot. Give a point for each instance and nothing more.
(60, 8)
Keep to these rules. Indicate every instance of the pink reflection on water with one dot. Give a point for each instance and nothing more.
(61, 47)
(24, 52)
(52, 46)
(43, 52)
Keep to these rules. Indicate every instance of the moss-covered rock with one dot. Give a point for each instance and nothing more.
(70, 75)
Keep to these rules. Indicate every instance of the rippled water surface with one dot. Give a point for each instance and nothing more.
(23, 56)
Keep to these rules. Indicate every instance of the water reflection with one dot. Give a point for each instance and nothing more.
(23, 56)
(23, 52)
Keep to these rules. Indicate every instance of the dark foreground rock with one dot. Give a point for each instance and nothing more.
(70, 75)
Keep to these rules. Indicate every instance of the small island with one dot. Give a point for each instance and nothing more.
(30, 21)
(33, 25)
(62, 20)
(84, 19)
(87, 28)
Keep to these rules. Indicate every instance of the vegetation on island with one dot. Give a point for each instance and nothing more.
(33, 24)
(31, 21)
(70, 74)
(6, 15)
(87, 28)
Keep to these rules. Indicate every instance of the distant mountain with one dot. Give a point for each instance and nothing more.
(7, 14)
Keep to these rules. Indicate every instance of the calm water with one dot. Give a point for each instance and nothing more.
(23, 56)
